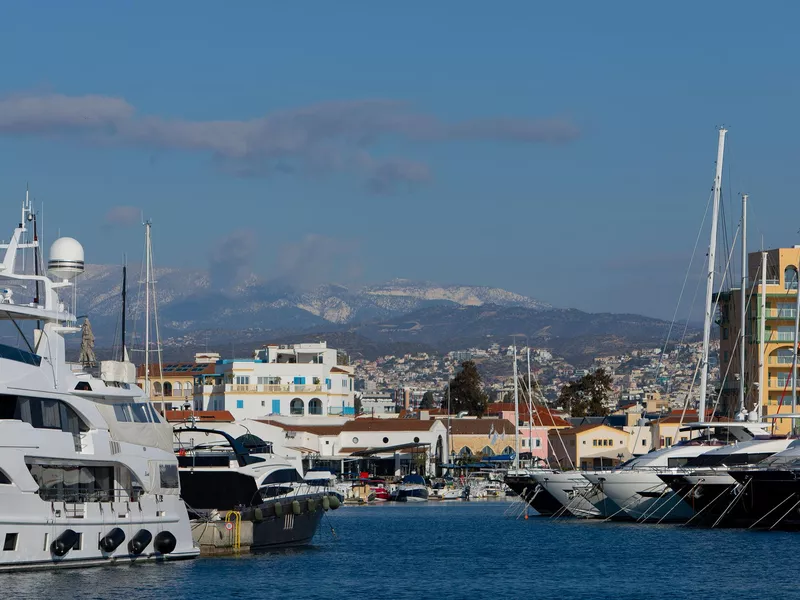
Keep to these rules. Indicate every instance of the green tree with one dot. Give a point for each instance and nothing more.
(428, 401)
(588, 396)
(466, 391)
(357, 406)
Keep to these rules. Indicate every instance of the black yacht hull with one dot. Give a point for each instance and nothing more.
(221, 489)
(770, 497)
(293, 525)
(708, 501)
(535, 495)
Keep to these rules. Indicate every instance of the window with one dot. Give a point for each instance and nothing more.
(328, 383)
(76, 483)
(242, 380)
(240, 404)
(644, 442)
(139, 412)
(168, 389)
(355, 440)
(344, 384)
(4, 480)
(296, 407)
(538, 443)
(790, 278)
(299, 380)
(78, 543)
(41, 413)
(168, 475)
(416, 440)
(668, 441)
(263, 403)
(315, 380)
(177, 388)
(594, 442)
(724, 333)
(121, 413)
(10, 543)
(386, 440)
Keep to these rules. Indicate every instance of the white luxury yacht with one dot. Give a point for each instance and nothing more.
(639, 491)
(87, 472)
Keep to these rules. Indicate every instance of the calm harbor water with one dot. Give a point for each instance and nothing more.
(458, 550)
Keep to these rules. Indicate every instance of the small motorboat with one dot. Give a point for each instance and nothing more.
(412, 488)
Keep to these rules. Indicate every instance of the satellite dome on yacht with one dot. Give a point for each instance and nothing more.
(66, 258)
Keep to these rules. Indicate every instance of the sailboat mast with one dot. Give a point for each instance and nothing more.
(124, 302)
(762, 333)
(516, 412)
(712, 247)
(530, 408)
(743, 308)
(147, 308)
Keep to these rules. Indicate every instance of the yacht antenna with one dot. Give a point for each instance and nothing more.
(712, 247)
(742, 310)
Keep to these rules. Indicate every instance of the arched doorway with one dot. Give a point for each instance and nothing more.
(297, 407)
(315, 406)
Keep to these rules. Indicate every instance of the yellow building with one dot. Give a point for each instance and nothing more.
(779, 326)
(589, 447)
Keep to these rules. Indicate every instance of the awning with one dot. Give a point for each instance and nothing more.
(386, 449)
(500, 458)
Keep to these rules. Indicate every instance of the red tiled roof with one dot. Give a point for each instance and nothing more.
(541, 415)
(203, 416)
(480, 426)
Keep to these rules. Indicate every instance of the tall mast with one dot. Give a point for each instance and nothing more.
(124, 303)
(516, 412)
(743, 308)
(712, 247)
(762, 333)
(530, 407)
(147, 308)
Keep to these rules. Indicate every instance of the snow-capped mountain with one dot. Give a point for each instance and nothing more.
(187, 300)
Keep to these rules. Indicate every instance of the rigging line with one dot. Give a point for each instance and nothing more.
(722, 283)
(685, 280)
(552, 420)
(21, 334)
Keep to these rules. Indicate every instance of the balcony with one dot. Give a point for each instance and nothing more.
(243, 388)
(781, 360)
(780, 313)
(780, 383)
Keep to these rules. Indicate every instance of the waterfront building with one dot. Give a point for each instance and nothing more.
(172, 384)
(590, 446)
(779, 326)
(295, 380)
(483, 437)
(379, 405)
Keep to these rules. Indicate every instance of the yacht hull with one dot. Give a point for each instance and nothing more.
(38, 524)
(644, 496)
(535, 495)
(769, 499)
(568, 488)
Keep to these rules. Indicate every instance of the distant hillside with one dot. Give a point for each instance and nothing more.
(398, 316)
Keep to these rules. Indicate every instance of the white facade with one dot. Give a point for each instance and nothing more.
(291, 380)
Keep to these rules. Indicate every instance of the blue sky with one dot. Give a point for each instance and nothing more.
(560, 151)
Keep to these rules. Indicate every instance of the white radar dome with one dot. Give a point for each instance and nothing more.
(66, 258)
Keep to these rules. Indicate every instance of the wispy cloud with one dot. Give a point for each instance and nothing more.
(316, 259)
(231, 257)
(124, 216)
(331, 136)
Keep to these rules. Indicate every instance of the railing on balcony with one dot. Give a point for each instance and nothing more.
(781, 360)
(780, 336)
(780, 313)
(251, 388)
(780, 382)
